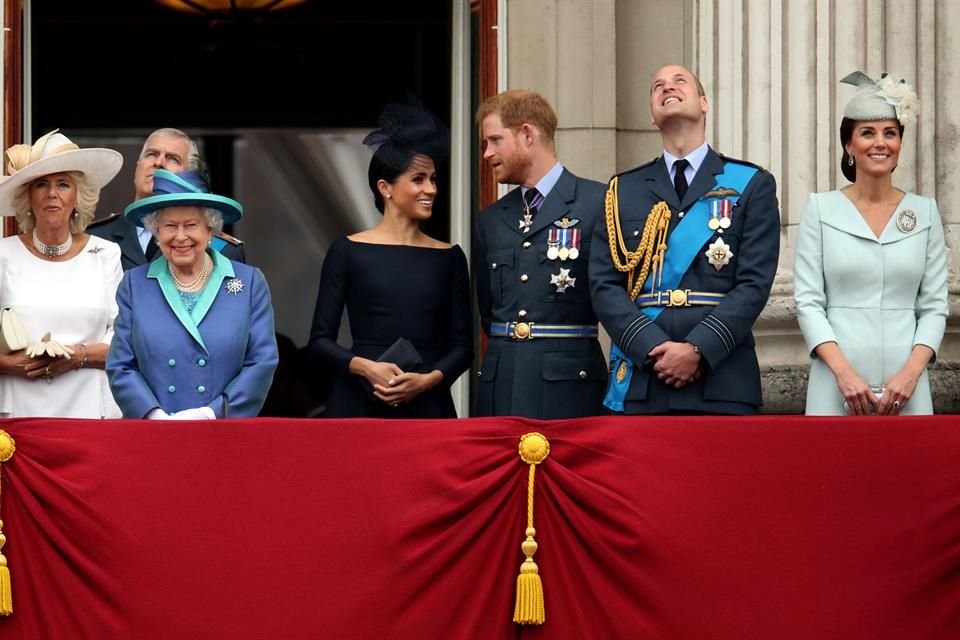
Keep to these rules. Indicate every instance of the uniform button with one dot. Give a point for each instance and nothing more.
(171, 362)
(202, 362)
(524, 278)
(479, 373)
(526, 245)
(493, 265)
(583, 374)
(522, 313)
(202, 388)
(171, 388)
(636, 232)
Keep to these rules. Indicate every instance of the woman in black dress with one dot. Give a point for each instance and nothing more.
(396, 282)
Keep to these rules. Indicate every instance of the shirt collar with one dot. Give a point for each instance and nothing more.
(547, 182)
(695, 158)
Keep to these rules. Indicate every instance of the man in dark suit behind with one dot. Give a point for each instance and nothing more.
(175, 151)
(690, 269)
(532, 249)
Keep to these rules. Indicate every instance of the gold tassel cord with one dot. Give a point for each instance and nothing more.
(529, 608)
(7, 447)
(651, 249)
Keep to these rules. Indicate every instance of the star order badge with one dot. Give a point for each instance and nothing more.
(718, 254)
(562, 281)
(234, 286)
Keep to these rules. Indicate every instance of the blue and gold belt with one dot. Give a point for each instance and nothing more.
(531, 330)
(679, 298)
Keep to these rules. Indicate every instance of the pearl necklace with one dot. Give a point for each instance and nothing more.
(52, 250)
(198, 282)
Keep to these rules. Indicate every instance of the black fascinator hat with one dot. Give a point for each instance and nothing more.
(405, 131)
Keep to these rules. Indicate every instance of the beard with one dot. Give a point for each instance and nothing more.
(514, 169)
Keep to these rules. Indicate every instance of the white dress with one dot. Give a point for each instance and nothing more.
(875, 297)
(75, 301)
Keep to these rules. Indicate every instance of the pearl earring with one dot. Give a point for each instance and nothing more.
(389, 196)
(850, 161)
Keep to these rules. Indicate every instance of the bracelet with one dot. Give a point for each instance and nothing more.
(86, 358)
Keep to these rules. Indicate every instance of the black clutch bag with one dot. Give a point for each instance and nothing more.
(401, 353)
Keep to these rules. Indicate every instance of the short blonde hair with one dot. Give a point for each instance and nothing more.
(84, 209)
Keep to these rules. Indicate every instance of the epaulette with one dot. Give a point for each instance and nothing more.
(102, 221)
(739, 161)
(229, 238)
(637, 168)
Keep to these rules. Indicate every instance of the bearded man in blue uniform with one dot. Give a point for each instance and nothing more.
(685, 268)
(532, 249)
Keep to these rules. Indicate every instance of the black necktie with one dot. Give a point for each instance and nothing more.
(680, 178)
(152, 249)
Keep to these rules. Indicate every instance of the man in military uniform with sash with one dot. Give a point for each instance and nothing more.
(683, 266)
(175, 151)
(531, 255)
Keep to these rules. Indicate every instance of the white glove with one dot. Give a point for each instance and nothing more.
(157, 414)
(197, 413)
(49, 347)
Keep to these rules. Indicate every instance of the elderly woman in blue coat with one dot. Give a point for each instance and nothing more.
(194, 338)
(871, 274)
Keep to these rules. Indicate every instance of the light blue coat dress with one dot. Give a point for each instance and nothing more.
(221, 355)
(875, 297)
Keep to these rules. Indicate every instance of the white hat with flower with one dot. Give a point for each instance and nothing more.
(883, 99)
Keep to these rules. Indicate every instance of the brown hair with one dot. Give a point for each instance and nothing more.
(518, 107)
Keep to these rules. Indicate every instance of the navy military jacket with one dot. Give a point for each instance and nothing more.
(731, 375)
(543, 377)
(117, 228)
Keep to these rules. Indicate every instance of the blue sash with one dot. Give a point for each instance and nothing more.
(685, 242)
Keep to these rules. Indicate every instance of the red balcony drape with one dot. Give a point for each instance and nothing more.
(680, 528)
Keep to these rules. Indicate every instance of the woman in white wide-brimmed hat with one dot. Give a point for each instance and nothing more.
(870, 278)
(58, 280)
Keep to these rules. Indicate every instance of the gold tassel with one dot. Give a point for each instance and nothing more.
(529, 609)
(7, 447)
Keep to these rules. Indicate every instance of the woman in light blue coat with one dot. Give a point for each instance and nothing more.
(194, 337)
(870, 278)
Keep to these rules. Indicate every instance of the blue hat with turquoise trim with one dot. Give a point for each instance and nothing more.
(186, 189)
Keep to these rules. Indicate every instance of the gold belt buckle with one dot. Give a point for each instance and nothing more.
(521, 331)
(678, 298)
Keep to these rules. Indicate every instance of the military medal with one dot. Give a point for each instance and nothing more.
(718, 254)
(564, 253)
(528, 210)
(726, 214)
(562, 280)
(906, 221)
(714, 223)
(574, 244)
(553, 244)
(527, 221)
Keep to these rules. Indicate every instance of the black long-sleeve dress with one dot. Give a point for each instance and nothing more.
(393, 291)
